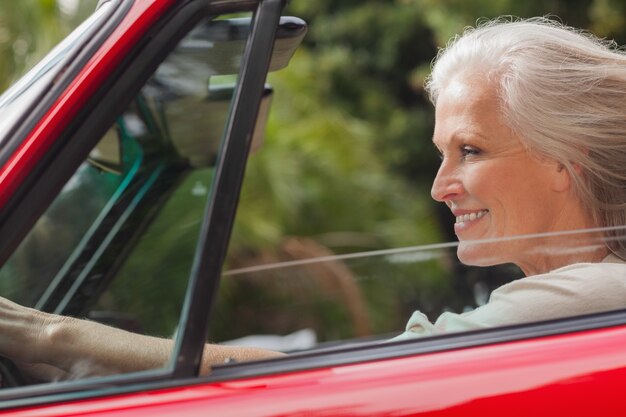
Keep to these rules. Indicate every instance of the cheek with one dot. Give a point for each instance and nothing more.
(486, 182)
(501, 181)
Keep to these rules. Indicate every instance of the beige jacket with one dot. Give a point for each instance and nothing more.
(573, 290)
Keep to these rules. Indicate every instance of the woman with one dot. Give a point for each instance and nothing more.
(531, 127)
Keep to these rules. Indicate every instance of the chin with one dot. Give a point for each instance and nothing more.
(476, 253)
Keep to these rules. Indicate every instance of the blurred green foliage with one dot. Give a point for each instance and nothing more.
(28, 28)
(371, 57)
(350, 108)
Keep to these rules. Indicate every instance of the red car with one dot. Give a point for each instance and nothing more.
(121, 162)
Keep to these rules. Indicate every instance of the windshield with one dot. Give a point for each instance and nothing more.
(117, 244)
(25, 92)
(166, 128)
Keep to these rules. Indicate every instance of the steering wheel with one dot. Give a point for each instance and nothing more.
(10, 374)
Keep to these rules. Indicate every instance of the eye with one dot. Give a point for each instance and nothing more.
(467, 150)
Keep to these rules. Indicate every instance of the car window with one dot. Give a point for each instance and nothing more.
(312, 298)
(117, 244)
(325, 261)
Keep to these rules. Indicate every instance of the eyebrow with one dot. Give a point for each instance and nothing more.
(455, 137)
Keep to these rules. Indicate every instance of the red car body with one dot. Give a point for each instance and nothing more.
(576, 374)
(567, 367)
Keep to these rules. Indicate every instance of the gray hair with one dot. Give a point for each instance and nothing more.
(563, 91)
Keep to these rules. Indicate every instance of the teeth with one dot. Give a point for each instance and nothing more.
(471, 216)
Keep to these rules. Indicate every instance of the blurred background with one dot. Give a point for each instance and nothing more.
(350, 106)
(347, 161)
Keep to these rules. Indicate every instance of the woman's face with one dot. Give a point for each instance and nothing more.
(492, 184)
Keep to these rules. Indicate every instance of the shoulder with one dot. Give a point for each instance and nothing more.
(611, 266)
(576, 289)
(572, 290)
(588, 274)
(575, 282)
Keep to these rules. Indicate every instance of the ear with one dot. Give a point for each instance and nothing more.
(561, 178)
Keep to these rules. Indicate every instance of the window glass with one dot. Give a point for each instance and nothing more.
(148, 291)
(117, 244)
(67, 225)
(301, 296)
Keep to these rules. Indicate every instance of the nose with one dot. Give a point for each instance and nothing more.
(447, 185)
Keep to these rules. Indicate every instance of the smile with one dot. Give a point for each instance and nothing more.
(470, 216)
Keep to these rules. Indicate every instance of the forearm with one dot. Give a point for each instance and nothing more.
(51, 346)
(216, 354)
(89, 348)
